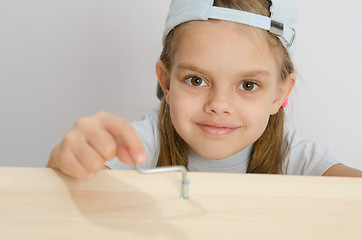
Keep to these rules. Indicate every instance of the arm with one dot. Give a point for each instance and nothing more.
(341, 170)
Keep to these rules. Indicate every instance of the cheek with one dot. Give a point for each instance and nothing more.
(256, 115)
(183, 104)
(181, 110)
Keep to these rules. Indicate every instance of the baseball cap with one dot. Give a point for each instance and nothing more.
(281, 22)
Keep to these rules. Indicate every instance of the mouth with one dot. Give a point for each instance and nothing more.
(217, 129)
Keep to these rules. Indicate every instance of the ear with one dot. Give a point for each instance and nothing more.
(285, 88)
(163, 78)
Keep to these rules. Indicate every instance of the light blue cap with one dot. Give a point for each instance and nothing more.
(281, 22)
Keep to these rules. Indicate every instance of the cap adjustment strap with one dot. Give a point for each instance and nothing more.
(275, 27)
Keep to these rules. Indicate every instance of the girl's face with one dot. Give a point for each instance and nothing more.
(222, 87)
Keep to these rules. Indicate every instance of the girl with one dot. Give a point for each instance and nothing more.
(225, 73)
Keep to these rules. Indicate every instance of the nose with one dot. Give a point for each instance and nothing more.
(219, 102)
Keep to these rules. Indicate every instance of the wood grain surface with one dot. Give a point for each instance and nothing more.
(41, 203)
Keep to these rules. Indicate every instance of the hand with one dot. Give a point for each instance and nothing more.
(94, 140)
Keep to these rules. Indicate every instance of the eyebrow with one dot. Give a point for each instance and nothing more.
(187, 66)
(243, 74)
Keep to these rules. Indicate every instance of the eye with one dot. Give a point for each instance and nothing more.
(196, 81)
(249, 86)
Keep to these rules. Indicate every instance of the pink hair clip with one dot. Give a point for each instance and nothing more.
(285, 103)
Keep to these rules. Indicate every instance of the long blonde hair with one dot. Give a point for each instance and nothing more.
(267, 156)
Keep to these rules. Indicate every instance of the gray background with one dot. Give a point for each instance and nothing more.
(61, 60)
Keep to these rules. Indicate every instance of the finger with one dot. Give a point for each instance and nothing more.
(69, 164)
(123, 154)
(88, 157)
(102, 142)
(123, 130)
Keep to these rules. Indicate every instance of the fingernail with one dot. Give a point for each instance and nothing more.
(141, 158)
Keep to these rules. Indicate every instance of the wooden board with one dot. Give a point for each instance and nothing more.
(40, 203)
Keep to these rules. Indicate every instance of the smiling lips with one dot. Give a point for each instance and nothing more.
(217, 129)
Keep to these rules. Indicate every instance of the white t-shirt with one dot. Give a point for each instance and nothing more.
(302, 157)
